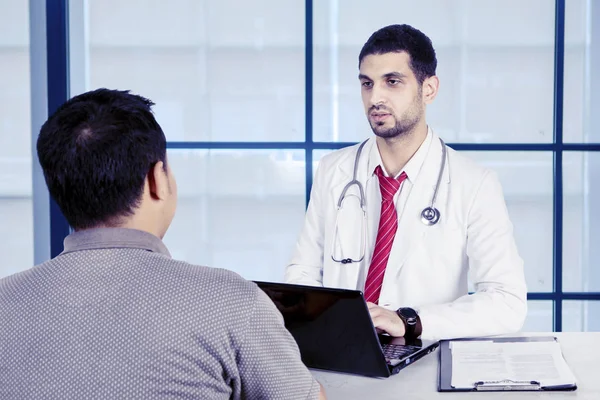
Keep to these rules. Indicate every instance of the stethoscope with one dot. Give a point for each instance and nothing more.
(429, 216)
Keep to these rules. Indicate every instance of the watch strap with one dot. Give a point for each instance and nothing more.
(413, 327)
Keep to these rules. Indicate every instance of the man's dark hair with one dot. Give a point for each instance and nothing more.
(96, 151)
(399, 38)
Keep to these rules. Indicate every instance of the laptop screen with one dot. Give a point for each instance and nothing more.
(332, 327)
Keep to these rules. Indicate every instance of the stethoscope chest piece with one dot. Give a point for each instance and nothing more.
(430, 216)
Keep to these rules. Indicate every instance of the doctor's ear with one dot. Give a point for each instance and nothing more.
(430, 89)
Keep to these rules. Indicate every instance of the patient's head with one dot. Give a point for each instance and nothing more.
(104, 160)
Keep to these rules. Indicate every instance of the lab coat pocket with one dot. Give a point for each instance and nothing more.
(447, 247)
(441, 252)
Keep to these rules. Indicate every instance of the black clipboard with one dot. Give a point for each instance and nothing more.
(445, 370)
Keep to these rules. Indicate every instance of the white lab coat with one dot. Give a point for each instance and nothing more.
(428, 265)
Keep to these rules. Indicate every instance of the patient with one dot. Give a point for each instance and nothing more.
(114, 316)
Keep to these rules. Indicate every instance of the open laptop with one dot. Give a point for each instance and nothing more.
(334, 331)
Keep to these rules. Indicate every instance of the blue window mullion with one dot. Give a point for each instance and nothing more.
(559, 56)
(338, 145)
(308, 93)
(57, 42)
(594, 296)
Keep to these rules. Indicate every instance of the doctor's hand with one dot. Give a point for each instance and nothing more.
(386, 320)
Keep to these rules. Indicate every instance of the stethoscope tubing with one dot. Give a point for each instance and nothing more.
(429, 215)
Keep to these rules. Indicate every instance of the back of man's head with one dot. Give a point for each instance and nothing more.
(399, 38)
(96, 151)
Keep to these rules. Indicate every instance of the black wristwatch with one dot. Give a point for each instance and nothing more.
(410, 319)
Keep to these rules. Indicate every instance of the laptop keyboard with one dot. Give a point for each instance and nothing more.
(397, 352)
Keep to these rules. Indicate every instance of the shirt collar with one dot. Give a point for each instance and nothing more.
(114, 238)
(412, 167)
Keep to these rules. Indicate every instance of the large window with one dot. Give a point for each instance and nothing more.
(16, 215)
(251, 95)
(221, 80)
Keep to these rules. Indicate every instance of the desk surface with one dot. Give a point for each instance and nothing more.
(420, 380)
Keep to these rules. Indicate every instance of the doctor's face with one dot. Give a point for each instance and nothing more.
(391, 94)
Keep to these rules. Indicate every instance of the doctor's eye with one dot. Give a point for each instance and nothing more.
(394, 82)
(367, 84)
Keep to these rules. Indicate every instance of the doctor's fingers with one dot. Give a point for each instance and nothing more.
(374, 310)
(393, 326)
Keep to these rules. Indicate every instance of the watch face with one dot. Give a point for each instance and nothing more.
(409, 315)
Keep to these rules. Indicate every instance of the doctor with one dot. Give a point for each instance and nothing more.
(406, 219)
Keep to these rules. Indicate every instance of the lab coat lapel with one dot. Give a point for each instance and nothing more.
(410, 228)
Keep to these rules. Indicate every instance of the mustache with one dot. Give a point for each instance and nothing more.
(379, 108)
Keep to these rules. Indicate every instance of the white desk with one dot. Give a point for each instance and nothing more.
(420, 380)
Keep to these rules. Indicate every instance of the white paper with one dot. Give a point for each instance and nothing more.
(488, 361)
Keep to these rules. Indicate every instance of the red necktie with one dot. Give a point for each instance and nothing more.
(388, 224)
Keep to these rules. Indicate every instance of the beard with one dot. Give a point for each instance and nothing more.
(402, 126)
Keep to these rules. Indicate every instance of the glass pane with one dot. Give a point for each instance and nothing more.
(482, 98)
(224, 70)
(539, 316)
(581, 85)
(526, 179)
(581, 316)
(238, 209)
(581, 253)
(16, 212)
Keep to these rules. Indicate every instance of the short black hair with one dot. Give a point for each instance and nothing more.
(96, 151)
(399, 38)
